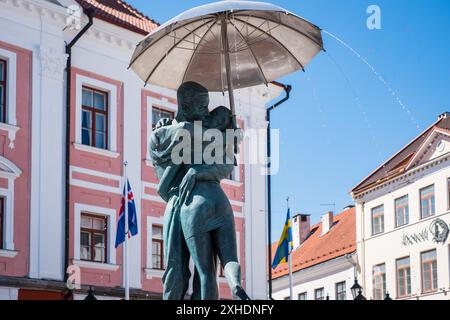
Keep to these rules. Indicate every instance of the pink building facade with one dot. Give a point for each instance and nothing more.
(111, 120)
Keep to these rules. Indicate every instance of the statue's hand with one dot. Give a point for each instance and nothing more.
(163, 122)
(186, 187)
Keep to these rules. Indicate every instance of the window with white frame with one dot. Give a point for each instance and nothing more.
(3, 89)
(157, 247)
(96, 128)
(429, 271)
(94, 123)
(448, 193)
(378, 220)
(401, 211)
(93, 238)
(2, 221)
(403, 277)
(160, 113)
(319, 294)
(8, 67)
(10, 172)
(303, 296)
(427, 202)
(379, 281)
(341, 291)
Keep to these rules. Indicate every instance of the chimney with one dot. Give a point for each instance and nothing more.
(327, 222)
(444, 115)
(300, 228)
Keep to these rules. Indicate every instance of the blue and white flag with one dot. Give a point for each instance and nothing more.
(132, 218)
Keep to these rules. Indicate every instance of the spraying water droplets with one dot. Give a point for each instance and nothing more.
(380, 78)
(360, 107)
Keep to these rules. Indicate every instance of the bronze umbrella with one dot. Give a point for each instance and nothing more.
(227, 44)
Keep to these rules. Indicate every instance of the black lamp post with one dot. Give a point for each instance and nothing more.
(90, 296)
(360, 295)
(357, 291)
(388, 297)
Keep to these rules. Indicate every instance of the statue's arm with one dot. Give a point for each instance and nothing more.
(166, 181)
(213, 172)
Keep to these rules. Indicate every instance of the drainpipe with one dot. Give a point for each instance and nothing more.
(90, 13)
(287, 89)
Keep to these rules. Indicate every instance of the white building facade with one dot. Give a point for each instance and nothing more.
(33, 34)
(403, 220)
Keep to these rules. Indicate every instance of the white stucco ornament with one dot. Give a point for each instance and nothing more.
(53, 63)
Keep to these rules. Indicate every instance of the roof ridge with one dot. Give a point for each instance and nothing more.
(129, 6)
(121, 14)
(386, 162)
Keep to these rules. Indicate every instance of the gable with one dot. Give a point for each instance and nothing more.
(436, 145)
(406, 158)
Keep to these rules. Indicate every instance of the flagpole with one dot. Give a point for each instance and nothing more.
(291, 293)
(125, 263)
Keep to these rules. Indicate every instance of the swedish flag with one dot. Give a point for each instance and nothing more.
(285, 244)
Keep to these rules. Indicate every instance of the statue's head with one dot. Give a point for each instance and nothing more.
(193, 101)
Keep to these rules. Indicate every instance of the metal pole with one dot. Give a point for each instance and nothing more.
(269, 206)
(226, 55)
(291, 293)
(287, 89)
(125, 263)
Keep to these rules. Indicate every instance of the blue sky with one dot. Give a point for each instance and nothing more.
(329, 141)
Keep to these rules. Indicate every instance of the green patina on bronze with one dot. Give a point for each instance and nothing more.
(198, 220)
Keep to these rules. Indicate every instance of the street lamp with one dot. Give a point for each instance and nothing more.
(357, 291)
(360, 295)
(355, 288)
(90, 296)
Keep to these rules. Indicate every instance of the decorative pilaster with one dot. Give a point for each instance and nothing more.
(53, 63)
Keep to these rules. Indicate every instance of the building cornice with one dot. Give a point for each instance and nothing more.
(401, 178)
(102, 31)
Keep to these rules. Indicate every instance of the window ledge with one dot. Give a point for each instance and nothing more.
(222, 279)
(102, 152)
(12, 130)
(150, 273)
(148, 162)
(232, 182)
(8, 253)
(96, 265)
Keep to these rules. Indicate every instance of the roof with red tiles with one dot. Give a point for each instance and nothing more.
(120, 13)
(398, 164)
(316, 249)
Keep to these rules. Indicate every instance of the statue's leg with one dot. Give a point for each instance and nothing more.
(176, 256)
(196, 286)
(224, 240)
(202, 254)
